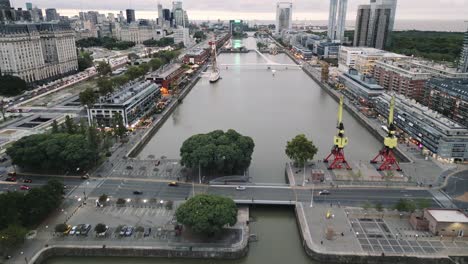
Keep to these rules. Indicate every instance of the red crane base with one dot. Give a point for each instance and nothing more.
(339, 160)
(388, 160)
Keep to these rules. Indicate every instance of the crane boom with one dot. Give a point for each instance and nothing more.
(340, 111)
(392, 109)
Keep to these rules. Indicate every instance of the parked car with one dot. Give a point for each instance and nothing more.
(137, 192)
(147, 232)
(324, 192)
(78, 229)
(12, 173)
(67, 231)
(173, 184)
(241, 188)
(123, 230)
(27, 180)
(25, 188)
(129, 231)
(103, 234)
(129, 167)
(85, 177)
(85, 230)
(73, 230)
(10, 179)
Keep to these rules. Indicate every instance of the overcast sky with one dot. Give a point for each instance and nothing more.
(262, 9)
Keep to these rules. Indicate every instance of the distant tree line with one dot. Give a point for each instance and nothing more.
(12, 85)
(21, 211)
(159, 43)
(106, 42)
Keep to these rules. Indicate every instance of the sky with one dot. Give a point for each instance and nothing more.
(259, 9)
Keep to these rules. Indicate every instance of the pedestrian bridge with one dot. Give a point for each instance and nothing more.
(269, 63)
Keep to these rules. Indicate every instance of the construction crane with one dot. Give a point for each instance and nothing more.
(340, 142)
(386, 156)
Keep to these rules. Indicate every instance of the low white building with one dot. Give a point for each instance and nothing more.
(137, 33)
(37, 52)
(182, 34)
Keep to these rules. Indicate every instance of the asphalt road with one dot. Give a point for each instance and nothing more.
(457, 185)
(37, 181)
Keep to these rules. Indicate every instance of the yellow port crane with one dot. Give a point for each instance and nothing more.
(386, 156)
(339, 143)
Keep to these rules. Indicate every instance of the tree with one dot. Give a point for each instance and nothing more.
(85, 61)
(55, 128)
(100, 228)
(118, 125)
(207, 214)
(105, 86)
(200, 35)
(120, 201)
(300, 149)
(88, 97)
(155, 63)
(367, 206)
(69, 125)
(227, 152)
(103, 198)
(60, 228)
(133, 56)
(2, 109)
(103, 68)
(379, 206)
(12, 237)
(423, 203)
(12, 85)
(405, 205)
(119, 80)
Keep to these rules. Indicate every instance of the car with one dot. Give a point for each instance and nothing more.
(73, 230)
(241, 188)
(324, 192)
(129, 231)
(78, 229)
(3, 159)
(27, 180)
(10, 179)
(129, 167)
(85, 230)
(67, 231)
(25, 188)
(147, 232)
(85, 177)
(173, 184)
(12, 173)
(137, 192)
(123, 230)
(102, 234)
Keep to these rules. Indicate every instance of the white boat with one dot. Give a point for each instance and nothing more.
(214, 74)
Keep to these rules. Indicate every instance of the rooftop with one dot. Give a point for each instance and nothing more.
(128, 93)
(455, 87)
(166, 70)
(363, 80)
(447, 215)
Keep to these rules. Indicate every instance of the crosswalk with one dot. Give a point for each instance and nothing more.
(135, 211)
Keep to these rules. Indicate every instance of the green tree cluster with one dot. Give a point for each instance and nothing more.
(106, 42)
(405, 205)
(26, 210)
(229, 152)
(88, 97)
(164, 42)
(12, 85)
(301, 150)
(103, 68)
(207, 214)
(199, 35)
(85, 60)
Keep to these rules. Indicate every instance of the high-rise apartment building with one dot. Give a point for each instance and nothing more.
(51, 14)
(283, 16)
(463, 66)
(160, 15)
(336, 25)
(5, 4)
(29, 6)
(130, 15)
(374, 23)
(37, 52)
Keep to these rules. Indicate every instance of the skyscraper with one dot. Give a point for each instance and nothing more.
(463, 66)
(336, 25)
(51, 14)
(29, 6)
(160, 15)
(283, 16)
(374, 23)
(130, 15)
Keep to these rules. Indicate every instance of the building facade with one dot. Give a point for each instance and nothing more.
(182, 34)
(137, 33)
(374, 23)
(463, 64)
(401, 77)
(196, 56)
(363, 58)
(37, 52)
(132, 102)
(130, 15)
(360, 87)
(51, 14)
(336, 25)
(448, 97)
(438, 136)
(283, 16)
(447, 222)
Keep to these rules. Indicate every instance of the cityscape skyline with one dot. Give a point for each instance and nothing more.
(263, 10)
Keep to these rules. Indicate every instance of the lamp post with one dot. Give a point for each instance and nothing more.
(312, 196)
(304, 175)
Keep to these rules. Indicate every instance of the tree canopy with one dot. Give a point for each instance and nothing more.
(103, 68)
(301, 150)
(106, 42)
(207, 214)
(85, 60)
(52, 152)
(228, 152)
(159, 43)
(88, 97)
(12, 85)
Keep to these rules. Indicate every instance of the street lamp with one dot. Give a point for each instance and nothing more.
(304, 175)
(312, 196)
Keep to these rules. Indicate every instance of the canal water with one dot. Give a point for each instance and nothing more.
(278, 243)
(270, 108)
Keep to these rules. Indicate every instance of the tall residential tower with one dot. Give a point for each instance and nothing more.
(463, 66)
(336, 25)
(374, 23)
(283, 16)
